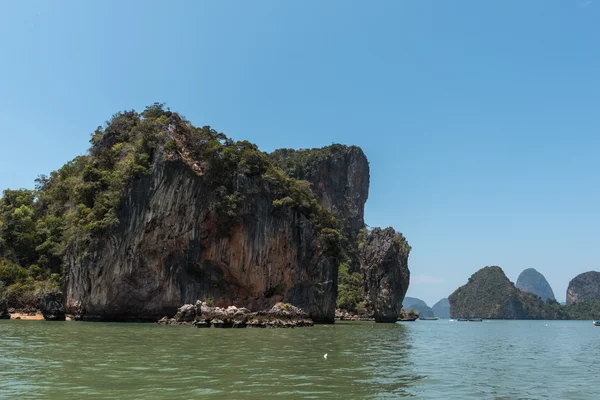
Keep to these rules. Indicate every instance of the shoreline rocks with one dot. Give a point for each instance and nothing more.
(345, 315)
(201, 315)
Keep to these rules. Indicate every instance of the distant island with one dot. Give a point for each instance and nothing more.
(441, 309)
(490, 294)
(534, 282)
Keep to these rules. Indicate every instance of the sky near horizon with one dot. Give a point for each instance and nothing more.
(479, 119)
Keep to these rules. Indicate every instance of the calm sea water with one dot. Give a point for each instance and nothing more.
(423, 359)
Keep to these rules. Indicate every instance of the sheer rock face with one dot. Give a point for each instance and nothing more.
(584, 287)
(347, 196)
(534, 282)
(166, 251)
(385, 264)
(441, 309)
(339, 179)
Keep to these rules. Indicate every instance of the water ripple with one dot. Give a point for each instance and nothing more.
(425, 360)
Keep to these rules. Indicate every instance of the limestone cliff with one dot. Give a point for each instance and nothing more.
(385, 265)
(161, 213)
(339, 177)
(207, 219)
(584, 288)
(534, 282)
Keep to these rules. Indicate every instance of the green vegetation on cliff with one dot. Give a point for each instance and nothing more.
(350, 289)
(304, 163)
(84, 197)
(30, 248)
(584, 310)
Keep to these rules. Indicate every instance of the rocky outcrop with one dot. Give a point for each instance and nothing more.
(418, 305)
(584, 288)
(385, 264)
(339, 177)
(51, 306)
(201, 315)
(4, 314)
(534, 282)
(441, 309)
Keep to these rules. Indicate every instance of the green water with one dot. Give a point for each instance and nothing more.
(423, 359)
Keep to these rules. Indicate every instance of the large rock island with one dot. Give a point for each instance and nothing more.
(534, 282)
(161, 213)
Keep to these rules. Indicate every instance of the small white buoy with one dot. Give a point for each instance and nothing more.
(325, 356)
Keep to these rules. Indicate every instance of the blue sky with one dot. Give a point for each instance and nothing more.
(480, 119)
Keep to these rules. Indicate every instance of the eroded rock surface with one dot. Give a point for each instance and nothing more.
(385, 263)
